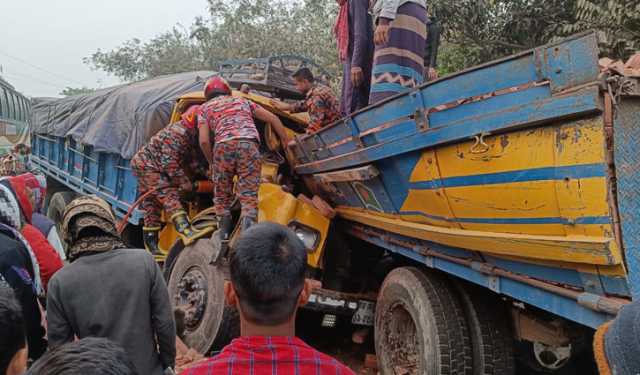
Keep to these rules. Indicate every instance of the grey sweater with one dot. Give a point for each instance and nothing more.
(119, 295)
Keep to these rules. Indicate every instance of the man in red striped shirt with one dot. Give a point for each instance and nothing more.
(267, 286)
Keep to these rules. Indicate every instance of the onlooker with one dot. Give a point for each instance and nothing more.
(109, 291)
(13, 342)
(37, 184)
(354, 32)
(321, 103)
(400, 38)
(267, 286)
(19, 268)
(48, 258)
(95, 356)
(616, 344)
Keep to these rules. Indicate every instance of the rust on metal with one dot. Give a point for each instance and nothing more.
(597, 303)
(356, 174)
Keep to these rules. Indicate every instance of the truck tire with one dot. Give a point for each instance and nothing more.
(420, 326)
(491, 337)
(197, 288)
(170, 261)
(57, 205)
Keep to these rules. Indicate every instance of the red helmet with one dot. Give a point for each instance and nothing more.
(190, 117)
(216, 85)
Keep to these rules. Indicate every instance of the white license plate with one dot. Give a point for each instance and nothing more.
(365, 314)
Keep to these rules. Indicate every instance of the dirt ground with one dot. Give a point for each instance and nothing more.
(336, 341)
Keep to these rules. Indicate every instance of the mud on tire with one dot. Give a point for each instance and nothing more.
(420, 326)
(197, 287)
(490, 330)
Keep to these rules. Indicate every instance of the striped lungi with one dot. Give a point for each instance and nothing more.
(399, 65)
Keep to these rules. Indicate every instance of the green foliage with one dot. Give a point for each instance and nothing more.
(235, 29)
(617, 22)
(477, 31)
(71, 91)
(474, 31)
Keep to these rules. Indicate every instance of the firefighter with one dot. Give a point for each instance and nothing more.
(161, 165)
(235, 151)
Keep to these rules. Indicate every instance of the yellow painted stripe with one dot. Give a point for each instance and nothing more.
(577, 142)
(571, 249)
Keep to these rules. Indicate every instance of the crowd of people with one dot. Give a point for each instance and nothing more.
(108, 310)
(91, 305)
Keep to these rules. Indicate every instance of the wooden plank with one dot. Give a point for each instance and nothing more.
(357, 174)
(577, 104)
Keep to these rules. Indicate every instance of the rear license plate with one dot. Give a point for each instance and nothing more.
(365, 314)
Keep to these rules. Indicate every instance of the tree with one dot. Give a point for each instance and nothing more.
(235, 29)
(476, 31)
(71, 91)
(617, 23)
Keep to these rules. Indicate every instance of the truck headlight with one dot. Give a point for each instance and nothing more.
(309, 236)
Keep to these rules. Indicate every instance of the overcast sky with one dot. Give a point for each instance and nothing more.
(42, 42)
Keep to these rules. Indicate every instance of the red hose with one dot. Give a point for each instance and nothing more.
(126, 217)
(201, 187)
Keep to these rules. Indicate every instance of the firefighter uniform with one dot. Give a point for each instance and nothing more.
(162, 165)
(235, 153)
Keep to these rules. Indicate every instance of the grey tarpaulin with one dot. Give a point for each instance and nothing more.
(118, 119)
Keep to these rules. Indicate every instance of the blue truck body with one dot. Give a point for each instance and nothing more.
(84, 171)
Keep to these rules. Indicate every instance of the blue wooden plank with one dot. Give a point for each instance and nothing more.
(569, 63)
(627, 161)
(577, 104)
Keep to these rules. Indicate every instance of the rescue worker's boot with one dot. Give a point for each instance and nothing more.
(246, 223)
(187, 233)
(151, 239)
(225, 225)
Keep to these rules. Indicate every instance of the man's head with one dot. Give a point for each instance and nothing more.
(89, 226)
(303, 79)
(268, 275)
(97, 356)
(13, 342)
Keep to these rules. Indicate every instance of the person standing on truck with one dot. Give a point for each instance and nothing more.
(400, 39)
(110, 291)
(321, 103)
(267, 287)
(160, 167)
(235, 151)
(354, 34)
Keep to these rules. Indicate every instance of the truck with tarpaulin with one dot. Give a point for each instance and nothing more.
(482, 221)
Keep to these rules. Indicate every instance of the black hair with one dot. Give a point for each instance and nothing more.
(91, 355)
(12, 327)
(268, 272)
(304, 73)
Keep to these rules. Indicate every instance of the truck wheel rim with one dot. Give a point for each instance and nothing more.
(192, 297)
(401, 336)
(551, 357)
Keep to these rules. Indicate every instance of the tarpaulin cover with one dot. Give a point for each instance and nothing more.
(118, 119)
